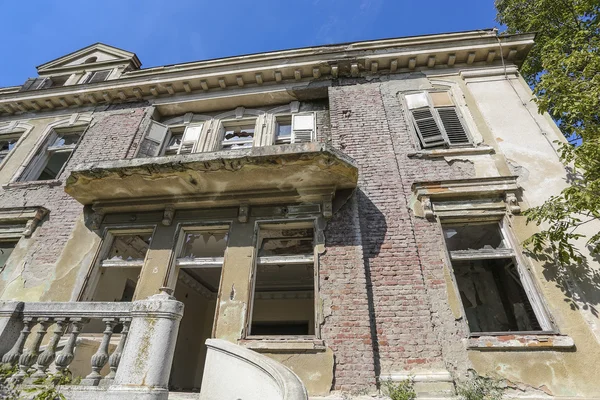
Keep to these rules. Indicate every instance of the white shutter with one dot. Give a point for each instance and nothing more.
(303, 128)
(190, 138)
(153, 141)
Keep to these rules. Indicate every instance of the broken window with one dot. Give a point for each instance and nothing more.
(6, 249)
(201, 255)
(497, 295)
(295, 128)
(97, 76)
(52, 156)
(284, 282)
(436, 120)
(8, 141)
(238, 134)
(120, 266)
(161, 139)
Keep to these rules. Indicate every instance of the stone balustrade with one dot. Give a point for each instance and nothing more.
(43, 337)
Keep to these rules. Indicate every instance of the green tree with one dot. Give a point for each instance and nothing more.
(563, 69)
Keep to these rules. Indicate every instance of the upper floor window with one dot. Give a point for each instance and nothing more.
(496, 292)
(161, 139)
(8, 141)
(44, 82)
(52, 156)
(96, 76)
(294, 128)
(436, 120)
(238, 134)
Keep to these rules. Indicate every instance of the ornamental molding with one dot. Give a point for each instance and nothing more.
(20, 221)
(479, 198)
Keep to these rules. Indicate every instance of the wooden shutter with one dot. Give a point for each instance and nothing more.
(427, 128)
(153, 141)
(303, 128)
(35, 83)
(190, 138)
(453, 126)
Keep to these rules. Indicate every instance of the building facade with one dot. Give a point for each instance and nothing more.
(351, 212)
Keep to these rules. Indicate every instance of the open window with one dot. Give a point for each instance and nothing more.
(161, 139)
(54, 153)
(121, 260)
(295, 128)
(238, 134)
(497, 294)
(8, 141)
(97, 76)
(284, 281)
(436, 120)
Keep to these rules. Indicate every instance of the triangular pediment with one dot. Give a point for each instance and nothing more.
(98, 53)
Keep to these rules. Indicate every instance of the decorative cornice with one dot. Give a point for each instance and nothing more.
(379, 57)
(20, 221)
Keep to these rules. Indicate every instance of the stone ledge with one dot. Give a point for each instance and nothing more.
(521, 342)
(30, 184)
(462, 151)
(283, 345)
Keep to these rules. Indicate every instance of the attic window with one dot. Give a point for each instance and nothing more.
(97, 76)
(91, 60)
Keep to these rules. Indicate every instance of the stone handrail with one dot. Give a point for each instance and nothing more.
(60, 322)
(233, 372)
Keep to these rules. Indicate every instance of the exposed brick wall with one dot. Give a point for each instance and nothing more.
(107, 138)
(401, 254)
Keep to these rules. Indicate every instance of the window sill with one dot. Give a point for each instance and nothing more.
(28, 184)
(460, 151)
(281, 345)
(521, 342)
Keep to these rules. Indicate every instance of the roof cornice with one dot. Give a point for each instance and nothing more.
(387, 56)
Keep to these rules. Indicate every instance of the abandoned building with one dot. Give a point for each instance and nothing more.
(284, 225)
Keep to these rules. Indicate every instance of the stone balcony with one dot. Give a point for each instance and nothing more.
(296, 173)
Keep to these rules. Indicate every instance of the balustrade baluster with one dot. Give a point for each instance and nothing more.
(47, 356)
(30, 355)
(66, 355)
(13, 355)
(115, 357)
(100, 358)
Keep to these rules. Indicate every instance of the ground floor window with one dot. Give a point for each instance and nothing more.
(496, 292)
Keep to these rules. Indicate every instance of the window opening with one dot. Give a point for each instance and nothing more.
(8, 141)
(98, 76)
(6, 249)
(51, 158)
(238, 134)
(283, 129)
(436, 120)
(175, 139)
(490, 284)
(284, 283)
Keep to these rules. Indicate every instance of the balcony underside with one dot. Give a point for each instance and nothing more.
(296, 172)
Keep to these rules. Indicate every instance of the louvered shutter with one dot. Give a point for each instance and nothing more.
(153, 141)
(453, 126)
(427, 128)
(190, 138)
(303, 128)
(34, 84)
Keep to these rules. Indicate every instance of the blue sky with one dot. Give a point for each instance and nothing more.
(164, 32)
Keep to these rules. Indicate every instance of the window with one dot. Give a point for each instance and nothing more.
(284, 281)
(6, 248)
(295, 128)
(8, 141)
(51, 158)
(201, 255)
(238, 134)
(436, 120)
(120, 265)
(97, 76)
(44, 82)
(497, 295)
(164, 140)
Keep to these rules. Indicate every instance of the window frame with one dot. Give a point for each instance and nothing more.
(532, 291)
(237, 122)
(91, 280)
(437, 119)
(293, 224)
(18, 134)
(42, 153)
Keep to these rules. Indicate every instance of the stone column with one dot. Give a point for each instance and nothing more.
(10, 324)
(143, 372)
(234, 295)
